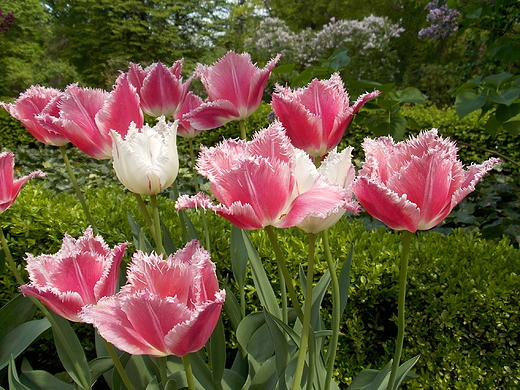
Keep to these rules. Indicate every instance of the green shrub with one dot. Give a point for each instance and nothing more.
(12, 133)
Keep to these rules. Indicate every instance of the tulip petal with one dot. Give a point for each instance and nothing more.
(212, 114)
(395, 211)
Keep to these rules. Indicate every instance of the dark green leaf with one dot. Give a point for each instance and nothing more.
(280, 344)
(468, 101)
(201, 371)
(12, 376)
(507, 97)
(504, 114)
(217, 352)
(43, 379)
(15, 312)
(344, 280)
(16, 341)
(288, 68)
(411, 95)
(239, 256)
(496, 80)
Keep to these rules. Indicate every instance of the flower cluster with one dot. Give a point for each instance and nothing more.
(444, 21)
(367, 39)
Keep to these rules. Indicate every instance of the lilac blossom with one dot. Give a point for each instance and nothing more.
(444, 21)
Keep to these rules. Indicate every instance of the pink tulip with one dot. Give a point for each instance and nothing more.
(235, 87)
(10, 188)
(317, 116)
(160, 88)
(35, 103)
(414, 185)
(80, 273)
(185, 128)
(264, 182)
(168, 307)
(87, 116)
(338, 168)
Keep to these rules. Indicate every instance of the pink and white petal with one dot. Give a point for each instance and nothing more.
(338, 167)
(66, 304)
(305, 172)
(107, 283)
(323, 199)
(136, 75)
(221, 158)
(121, 108)
(272, 143)
(192, 335)
(176, 68)
(472, 177)
(395, 211)
(211, 115)
(18, 184)
(361, 100)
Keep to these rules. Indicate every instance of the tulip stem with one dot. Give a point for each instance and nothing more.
(197, 189)
(180, 214)
(302, 353)
(336, 311)
(117, 364)
(161, 362)
(189, 372)
(79, 194)
(405, 254)
(285, 271)
(157, 224)
(146, 214)
(10, 260)
(242, 126)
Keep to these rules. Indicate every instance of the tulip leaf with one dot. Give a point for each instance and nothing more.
(70, 351)
(344, 280)
(201, 371)
(239, 256)
(12, 377)
(99, 366)
(169, 244)
(140, 240)
(16, 341)
(253, 335)
(192, 232)
(265, 377)
(232, 308)
(378, 380)
(43, 379)
(232, 380)
(281, 347)
(262, 282)
(15, 312)
(217, 352)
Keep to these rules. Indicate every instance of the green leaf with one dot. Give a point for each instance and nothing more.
(260, 279)
(507, 97)
(192, 232)
(15, 312)
(468, 101)
(140, 240)
(232, 380)
(232, 308)
(492, 125)
(265, 377)
(504, 114)
(201, 371)
(396, 127)
(344, 280)
(474, 15)
(288, 68)
(99, 366)
(169, 244)
(496, 80)
(253, 335)
(70, 351)
(17, 341)
(217, 352)
(12, 376)
(239, 256)
(43, 379)
(281, 347)
(411, 95)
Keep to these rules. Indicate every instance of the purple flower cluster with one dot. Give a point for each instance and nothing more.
(6, 21)
(444, 21)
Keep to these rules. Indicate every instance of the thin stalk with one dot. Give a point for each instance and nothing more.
(157, 224)
(302, 353)
(161, 361)
(197, 189)
(336, 311)
(184, 229)
(242, 125)
(117, 364)
(285, 271)
(85, 383)
(189, 372)
(79, 194)
(405, 254)
(502, 156)
(283, 296)
(146, 214)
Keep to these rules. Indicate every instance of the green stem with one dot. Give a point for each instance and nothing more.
(146, 214)
(117, 364)
(242, 125)
(285, 271)
(302, 353)
(84, 382)
(161, 361)
(79, 194)
(283, 296)
(405, 254)
(157, 224)
(336, 311)
(10, 260)
(197, 189)
(189, 372)
(184, 229)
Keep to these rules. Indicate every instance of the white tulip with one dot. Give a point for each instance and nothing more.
(146, 161)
